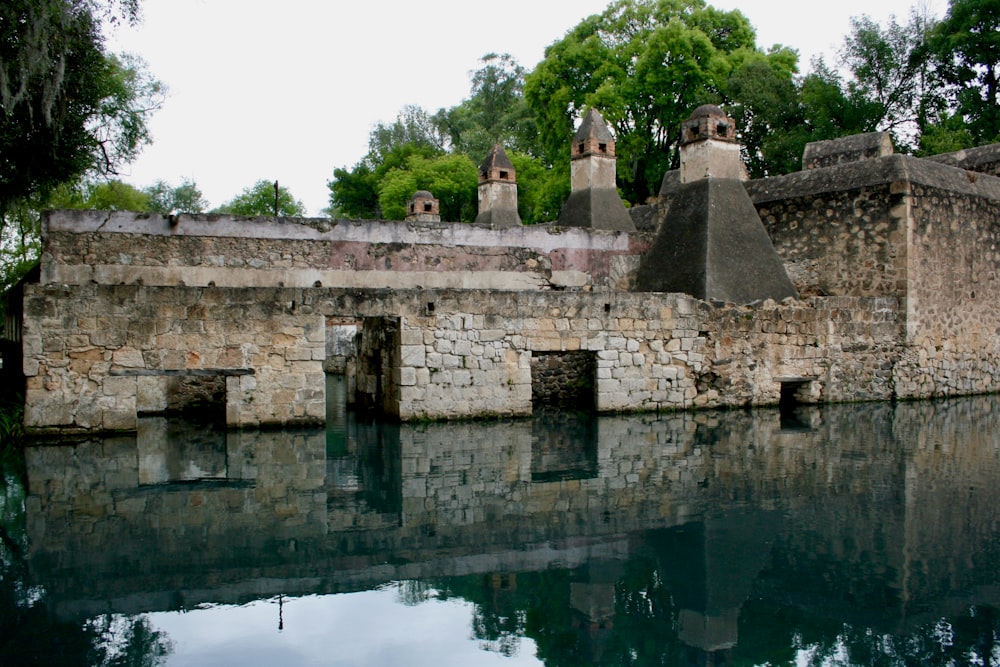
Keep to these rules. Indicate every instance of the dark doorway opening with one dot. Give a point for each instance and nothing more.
(564, 380)
(792, 393)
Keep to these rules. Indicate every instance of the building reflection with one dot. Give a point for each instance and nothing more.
(589, 536)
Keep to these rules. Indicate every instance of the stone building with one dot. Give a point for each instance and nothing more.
(892, 261)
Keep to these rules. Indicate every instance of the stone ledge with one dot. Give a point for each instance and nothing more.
(192, 372)
(883, 171)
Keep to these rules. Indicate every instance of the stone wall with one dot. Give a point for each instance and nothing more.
(96, 355)
(953, 303)
(982, 159)
(130, 248)
(896, 259)
(653, 352)
(840, 231)
(916, 230)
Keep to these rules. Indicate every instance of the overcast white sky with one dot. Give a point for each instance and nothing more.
(289, 90)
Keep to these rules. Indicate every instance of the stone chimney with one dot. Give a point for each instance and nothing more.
(594, 200)
(498, 191)
(709, 147)
(423, 207)
(712, 243)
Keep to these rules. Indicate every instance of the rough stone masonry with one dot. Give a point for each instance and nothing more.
(894, 260)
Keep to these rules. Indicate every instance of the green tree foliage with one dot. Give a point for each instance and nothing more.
(895, 87)
(763, 98)
(967, 46)
(354, 193)
(413, 126)
(495, 112)
(646, 64)
(20, 242)
(451, 178)
(259, 199)
(184, 198)
(828, 110)
(111, 195)
(66, 107)
(541, 191)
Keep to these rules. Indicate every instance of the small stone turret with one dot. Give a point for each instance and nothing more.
(423, 207)
(712, 243)
(709, 147)
(594, 201)
(498, 191)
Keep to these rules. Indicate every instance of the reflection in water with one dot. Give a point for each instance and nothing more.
(863, 534)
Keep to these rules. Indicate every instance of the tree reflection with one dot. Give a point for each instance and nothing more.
(30, 634)
(643, 628)
(123, 641)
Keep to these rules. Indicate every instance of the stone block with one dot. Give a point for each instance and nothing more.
(413, 355)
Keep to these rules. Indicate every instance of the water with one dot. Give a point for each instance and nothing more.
(838, 535)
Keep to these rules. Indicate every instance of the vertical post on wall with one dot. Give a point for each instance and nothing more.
(276, 199)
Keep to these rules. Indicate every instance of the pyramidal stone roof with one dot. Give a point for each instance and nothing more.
(497, 159)
(594, 127)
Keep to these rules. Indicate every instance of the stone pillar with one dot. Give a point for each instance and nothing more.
(712, 243)
(594, 200)
(498, 191)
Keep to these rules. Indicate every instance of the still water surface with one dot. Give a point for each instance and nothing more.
(866, 534)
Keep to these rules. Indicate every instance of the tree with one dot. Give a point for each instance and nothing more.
(541, 191)
(495, 112)
(646, 64)
(166, 199)
(894, 84)
(259, 199)
(113, 195)
(763, 98)
(355, 193)
(451, 178)
(967, 46)
(413, 125)
(66, 107)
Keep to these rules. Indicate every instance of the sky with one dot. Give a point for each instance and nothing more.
(290, 90)
(366, 629)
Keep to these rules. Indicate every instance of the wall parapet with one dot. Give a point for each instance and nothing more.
(125, 247)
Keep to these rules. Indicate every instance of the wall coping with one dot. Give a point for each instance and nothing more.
(547, 237)
(875, 172)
